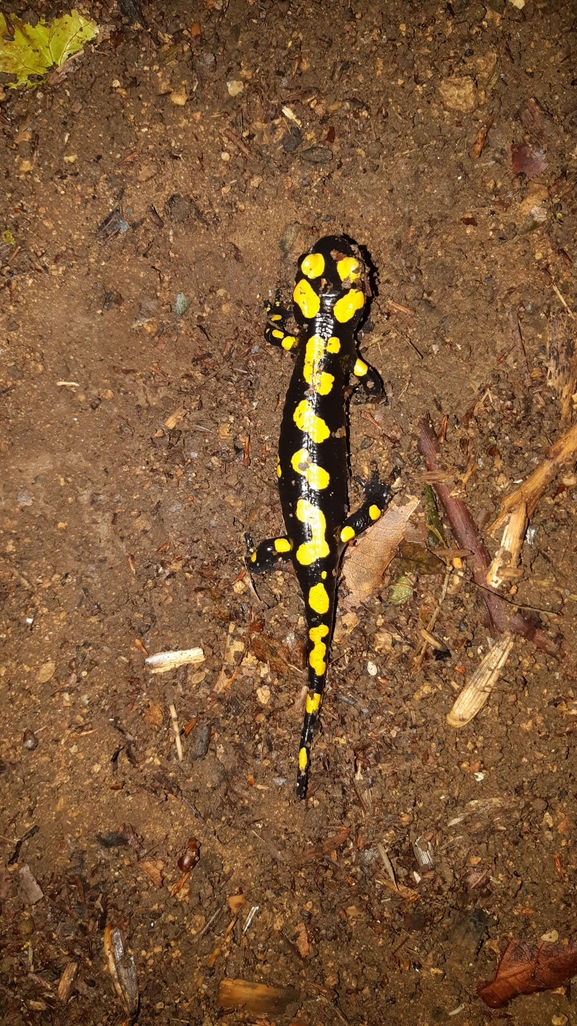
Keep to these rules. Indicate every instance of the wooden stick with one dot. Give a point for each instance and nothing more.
(501, 615)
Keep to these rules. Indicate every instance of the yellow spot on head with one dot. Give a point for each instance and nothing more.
(313, 265)
(346, 534)
(317, 655)
(308, 422)
(317, 547)
(346, 307)
(303, 760)
(306, 299)
(360, 368)
(282, 545)
(334, 344)
(319, 598)
(374, 512)
(313, 703)
(348, 268)
(317, 477)
(318, 379)
(288, 342)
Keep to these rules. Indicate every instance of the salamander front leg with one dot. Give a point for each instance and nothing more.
(377, 497)
(369, 380)
(265, 555)
(275, 331)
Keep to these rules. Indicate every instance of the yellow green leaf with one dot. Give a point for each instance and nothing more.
(401, 592)
(27, 50)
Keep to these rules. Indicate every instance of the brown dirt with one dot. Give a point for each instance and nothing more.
(122, 535)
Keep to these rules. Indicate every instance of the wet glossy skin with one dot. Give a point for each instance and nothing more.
(329, 297)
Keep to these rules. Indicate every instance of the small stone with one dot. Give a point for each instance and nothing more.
(235, 87)
(459, 94)
(29, 740)
(317, 155)
(179, 97)
(46, 672)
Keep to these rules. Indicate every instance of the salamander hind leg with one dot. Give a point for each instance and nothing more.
(377, 497)
(264, 556)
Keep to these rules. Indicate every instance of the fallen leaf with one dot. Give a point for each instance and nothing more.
(154, 715)
(153, 869)
(31, 891)
(302, 941)
(122, 969)
(526, 967)
(28, 50)
(256, 997)
(329, 844)
(527, 161)
(369, 558)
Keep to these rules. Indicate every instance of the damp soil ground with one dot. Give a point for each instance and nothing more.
(152, 201)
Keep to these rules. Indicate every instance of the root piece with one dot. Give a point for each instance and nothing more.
(504, 563)
(501, 616)
(534, 487)
(475, 694)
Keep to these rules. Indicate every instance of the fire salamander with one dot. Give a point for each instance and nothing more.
(329, 296)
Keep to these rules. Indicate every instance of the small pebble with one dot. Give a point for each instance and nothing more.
(29, 740)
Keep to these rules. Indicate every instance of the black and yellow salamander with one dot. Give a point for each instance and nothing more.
(330, 291)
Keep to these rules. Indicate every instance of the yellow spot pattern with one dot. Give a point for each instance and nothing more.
(346, 307)
(317, 477)
(282, 545)
(277, 333)
(306, 299)
(319, 380)
(317, 547)
(317, 656)
(360, 368)
(306, 419)
(346, 534)
(313, 265)
(334, 344)
(348, 268)
(374, 512)
(319, 598)
(303, 760)
(288, 342)
(313, 703)
(278, 468)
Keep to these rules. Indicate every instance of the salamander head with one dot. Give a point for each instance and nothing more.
(331, 279)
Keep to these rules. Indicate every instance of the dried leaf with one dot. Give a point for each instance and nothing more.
(370, 556)
(329, 844)
(256, 997)
(527, 161)
(475, 694)
(302, 941)
(66, 981)
(154, 715)
(526, 967)
(30, 889)
(122, 969)
(153, 869)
